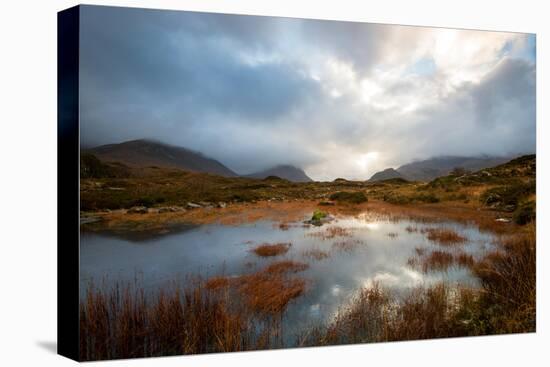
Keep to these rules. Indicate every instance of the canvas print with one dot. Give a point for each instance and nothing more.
(255, 183)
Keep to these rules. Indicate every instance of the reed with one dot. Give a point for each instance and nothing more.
(444, 236)
(269, 250)
(316, 254)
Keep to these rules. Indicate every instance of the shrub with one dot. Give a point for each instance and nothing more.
(525, 213)
(508, 197)
(426, 198)
(268, 250)
(356, 197)
(318, 215)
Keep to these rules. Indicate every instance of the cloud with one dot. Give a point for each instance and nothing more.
(338, 99)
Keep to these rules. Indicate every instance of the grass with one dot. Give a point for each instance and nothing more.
(318, 215)
(243, 313)
(123, 323)
(269, 250)
(443, 236)
(332, 232)
(346, 246)
(506, 303)
(525, 213)
(355, 197)
(316, 254)
(437, 260)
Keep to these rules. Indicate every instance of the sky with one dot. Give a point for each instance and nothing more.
(337, 99)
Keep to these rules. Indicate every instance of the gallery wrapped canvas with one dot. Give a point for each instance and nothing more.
(233, 182)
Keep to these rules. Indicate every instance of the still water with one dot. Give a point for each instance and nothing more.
(375, 250)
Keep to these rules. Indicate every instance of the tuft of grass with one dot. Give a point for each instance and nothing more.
(437, 260)
(287, 266)
(525, 213)
(443, 236)
(122, 322)
(332, 232)
(464, 259)
(268, 250)
(316, 254)
(347, 245)
(508, 278)
(318, 215)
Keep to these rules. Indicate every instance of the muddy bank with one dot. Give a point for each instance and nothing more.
(290, 211)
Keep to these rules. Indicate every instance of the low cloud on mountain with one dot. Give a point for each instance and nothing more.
(338, 99)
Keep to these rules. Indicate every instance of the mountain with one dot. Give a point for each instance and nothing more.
(432, 168)
(287, 172)
(145, 153)
(386, 174)
(429, 169)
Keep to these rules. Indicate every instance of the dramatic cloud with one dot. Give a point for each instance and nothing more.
(338, 99)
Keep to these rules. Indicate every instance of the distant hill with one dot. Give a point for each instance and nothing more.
(145, 153)
(287, 172)
(429, 169)
(386, 174)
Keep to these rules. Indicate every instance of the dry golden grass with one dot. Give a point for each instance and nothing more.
(268, 250)
(411, 229)
(346, 245)
(283, 226)
(124, 323)
(463, 259)
(508, 278)
(267, 291)
(316, 254)
(443, 236)
(217, 282)
(437, 260)
(287, 266)
(332, 232)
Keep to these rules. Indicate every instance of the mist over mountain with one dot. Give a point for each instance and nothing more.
(143, 152)
(428, 169)
(386, 174)
(287, 172)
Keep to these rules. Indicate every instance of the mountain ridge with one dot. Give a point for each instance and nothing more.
(285, 171)
(429, 169)
(145, 152)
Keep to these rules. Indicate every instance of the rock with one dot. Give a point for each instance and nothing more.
(138, 210)
(510, 208)
(493, 199)
(503, 220)
(164, 210)
(327, 203)
(221, 204)
(193, 205)
(152, 210)
(205, 203)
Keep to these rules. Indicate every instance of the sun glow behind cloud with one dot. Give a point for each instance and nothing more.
(338, 99)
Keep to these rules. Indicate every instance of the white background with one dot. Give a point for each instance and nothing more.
(28, 182)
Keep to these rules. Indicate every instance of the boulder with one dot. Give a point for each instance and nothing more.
(193, 205)
(138, 210)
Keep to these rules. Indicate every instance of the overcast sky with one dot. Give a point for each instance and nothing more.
(338, 99)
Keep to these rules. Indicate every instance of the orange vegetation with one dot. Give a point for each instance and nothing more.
(443, 236)
(332, 232)
(268, 250)
(316, 254)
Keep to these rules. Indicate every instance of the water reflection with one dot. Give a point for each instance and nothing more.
(371, 256)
